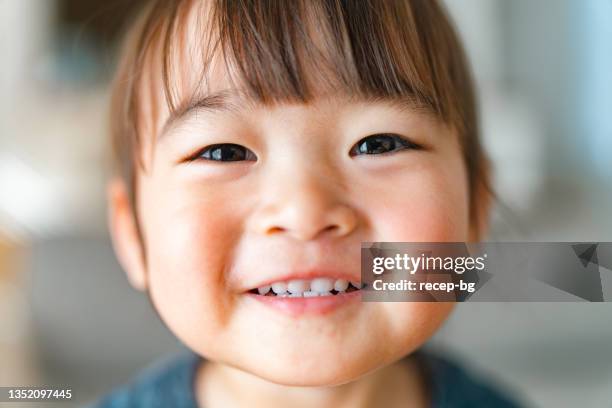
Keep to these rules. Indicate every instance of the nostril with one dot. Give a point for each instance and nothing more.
(331, 228)
(275, 230)
(306, 233)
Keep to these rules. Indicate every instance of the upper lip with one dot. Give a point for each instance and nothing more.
(306, 275)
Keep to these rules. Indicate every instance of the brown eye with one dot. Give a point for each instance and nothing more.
(226, 152)
(382, 143)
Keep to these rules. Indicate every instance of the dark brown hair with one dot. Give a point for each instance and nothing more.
(279, 49)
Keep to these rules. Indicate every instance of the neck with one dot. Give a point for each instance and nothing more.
(397, 385)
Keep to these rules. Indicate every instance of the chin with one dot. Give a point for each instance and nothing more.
(315, 370)
(323, 375)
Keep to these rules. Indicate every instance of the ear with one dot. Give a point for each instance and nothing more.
(124, 234)
(483, 199)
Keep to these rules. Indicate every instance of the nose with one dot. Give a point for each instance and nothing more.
(304, 208)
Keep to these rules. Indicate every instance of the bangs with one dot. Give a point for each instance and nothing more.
(278, 51)
(282, 51)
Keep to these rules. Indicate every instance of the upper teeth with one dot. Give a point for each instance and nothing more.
(308, 288)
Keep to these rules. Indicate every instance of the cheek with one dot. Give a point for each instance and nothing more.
(430, 215)
(187, 241)
(429, 205)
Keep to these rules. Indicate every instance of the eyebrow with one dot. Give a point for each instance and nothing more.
(222, 101)
(225, 101)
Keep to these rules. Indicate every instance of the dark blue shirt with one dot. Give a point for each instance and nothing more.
(171, 384)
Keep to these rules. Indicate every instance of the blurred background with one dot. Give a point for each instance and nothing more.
(67, 313)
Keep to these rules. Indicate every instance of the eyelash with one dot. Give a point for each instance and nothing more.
(392, 140)
(398, 143)
(217, 149)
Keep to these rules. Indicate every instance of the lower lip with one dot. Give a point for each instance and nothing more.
(320, 305)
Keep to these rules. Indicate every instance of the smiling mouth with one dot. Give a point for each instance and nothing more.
(306, 288)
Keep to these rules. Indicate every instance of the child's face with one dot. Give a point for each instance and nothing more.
(298, 206)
